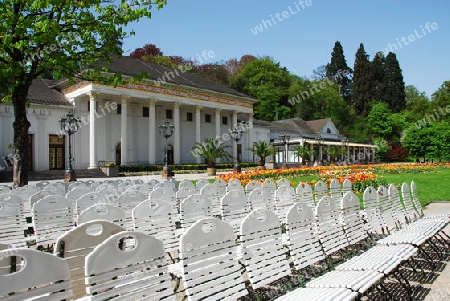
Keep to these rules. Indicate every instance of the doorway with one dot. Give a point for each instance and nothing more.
(56, 152)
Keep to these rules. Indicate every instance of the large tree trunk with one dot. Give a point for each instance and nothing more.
(21, 125)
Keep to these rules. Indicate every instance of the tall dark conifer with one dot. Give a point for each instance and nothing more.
(377, 67)
(338, 71)
(362, 82)
(394, 94)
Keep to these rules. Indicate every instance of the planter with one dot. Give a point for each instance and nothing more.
(210, 171)
(270, 165)
(110, 171)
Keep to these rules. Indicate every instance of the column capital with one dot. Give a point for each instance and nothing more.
(152, 102)
(124, 98)
(198, 108)
(235, 113)
(93, 95)
(176, 105)
(218, 111)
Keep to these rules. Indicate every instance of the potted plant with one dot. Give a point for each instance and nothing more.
(210, 150)
(262, 149)
(304, 152)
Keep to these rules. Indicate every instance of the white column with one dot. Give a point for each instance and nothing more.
(250, 135)
(123, 131)
(354, 153)
(92, 147)
(151, 132)
(234, 123)
(218, 122)
(176, 138)
(197, 128)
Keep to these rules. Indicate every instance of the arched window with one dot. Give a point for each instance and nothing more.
(328, 131)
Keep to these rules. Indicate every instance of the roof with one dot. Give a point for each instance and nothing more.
(317, 125)
(126, 65)
(41, 92)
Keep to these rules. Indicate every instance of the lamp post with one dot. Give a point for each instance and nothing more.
(236, 133)
(166, 130)
(285, 138)
(320, 143)
(69, 124)
(345, 142)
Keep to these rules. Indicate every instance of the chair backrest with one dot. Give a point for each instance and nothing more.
(320, 190)
(186, 184)
(398, 207)
(336, 191)
(43, 276)
(252, 185)
(408, 203)
(56, 187)
(386, 208)
(76, 193)
(166, 195)
(146, 188)
(261, 199)
(103, 212)
(5, 189)
(52, 217)
(168, 185)
(302, 233)
(208, 248)
(284, 199)
(375, 221)
(200, 183)
(234, 207)
(76, 244)
(11, 224)
(138, 273)
(194, 208)
(221, 186)
(40, 195)
(270, 186)
(415, 198)
(329, 224)
(127, 201)
(262, 248)
(7, 264)
(347, 186)
(182, 193)
(86, 201)
(305, 194)
(42, 184)
(73, 185)
(214, 194)
(283, 182)
(235, 184)
(352, 218)
(156, 217)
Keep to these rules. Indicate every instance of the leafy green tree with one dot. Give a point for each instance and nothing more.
(377, 67)
(382, 148)
(262, 149)
(362, 88)
(269, 83)
(339, 72)
(417, 103)
(210, 150)
(394, 86)
(440, 102)
(58, 38)
(418, 141)
(379, 121)
(440, 141)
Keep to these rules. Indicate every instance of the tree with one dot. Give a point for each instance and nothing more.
(304, 152)
(215, 72)
(379, 121)
(362, 89)
(146, 50)
(440, 141)
(382, 148)
(268, 82)
(394, 86)
(262, 149)
(417, 103)
(320, 73)
(210, 150)
(440, 102)
(377, 67)
(334, 151)
(61, 39)
(418, 141)
(339, 72)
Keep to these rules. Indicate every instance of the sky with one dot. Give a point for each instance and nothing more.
(300, 34)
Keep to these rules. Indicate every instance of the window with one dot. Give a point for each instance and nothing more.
(189, 116)
(119, 109)
(89, 106)
(145, 112)
(208, 118)
(224, 120)
(328, 131)
(168, 114)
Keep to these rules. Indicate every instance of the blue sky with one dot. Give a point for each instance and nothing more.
(305, 36)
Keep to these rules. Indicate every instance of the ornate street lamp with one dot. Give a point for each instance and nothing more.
(236, 134)
(320, 140)
(69, 124)
(166, 130)
(285, 139)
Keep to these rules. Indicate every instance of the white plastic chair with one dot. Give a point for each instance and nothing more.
(42, 277)
(335, 191)
(252, 185)
(305, 194)
(194, 208)
(11, 224)
(284, 199)
(234, 207)
(103, 212)
(260, 199)
(136, 273)
(283, 182)
(212, 192)
(320, 190)
(127, 201)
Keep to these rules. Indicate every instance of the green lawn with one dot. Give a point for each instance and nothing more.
(431, 186)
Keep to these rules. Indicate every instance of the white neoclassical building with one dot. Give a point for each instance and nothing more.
(120, 124)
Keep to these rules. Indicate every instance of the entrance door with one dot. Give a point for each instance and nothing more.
(56, 152)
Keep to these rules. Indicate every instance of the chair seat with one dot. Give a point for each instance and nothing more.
(323, 294)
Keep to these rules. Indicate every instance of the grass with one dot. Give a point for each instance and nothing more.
(431, 186)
